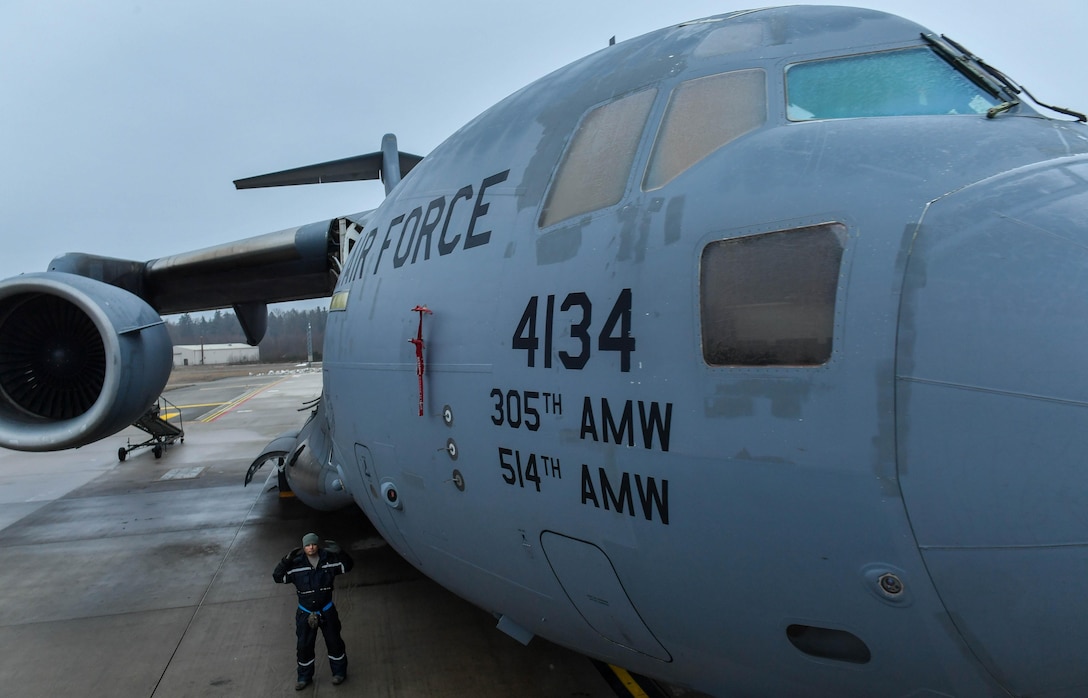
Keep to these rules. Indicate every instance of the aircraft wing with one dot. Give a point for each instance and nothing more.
(293, 264)
(83, 347)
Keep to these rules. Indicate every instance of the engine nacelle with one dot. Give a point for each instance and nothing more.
(79, 360)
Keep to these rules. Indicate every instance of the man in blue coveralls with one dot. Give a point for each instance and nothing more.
(312, 569)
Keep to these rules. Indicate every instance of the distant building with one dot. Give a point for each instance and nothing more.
(198, 354)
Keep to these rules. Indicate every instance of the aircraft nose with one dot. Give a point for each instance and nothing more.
(992, 419)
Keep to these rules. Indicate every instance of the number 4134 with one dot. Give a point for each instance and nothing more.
(576, 311)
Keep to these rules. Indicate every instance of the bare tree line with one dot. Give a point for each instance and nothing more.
(285, 340)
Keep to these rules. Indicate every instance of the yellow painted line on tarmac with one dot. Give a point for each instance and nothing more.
(228, 406)
(628, 682)
(176, 412)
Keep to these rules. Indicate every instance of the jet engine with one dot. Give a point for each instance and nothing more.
(79, 360)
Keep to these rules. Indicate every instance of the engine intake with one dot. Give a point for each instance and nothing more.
(79, 360)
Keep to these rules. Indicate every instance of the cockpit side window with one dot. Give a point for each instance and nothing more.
(596, 167)
(769, 299)
(703, 115)
(906, 82)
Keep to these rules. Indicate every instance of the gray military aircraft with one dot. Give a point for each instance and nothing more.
(746, 354)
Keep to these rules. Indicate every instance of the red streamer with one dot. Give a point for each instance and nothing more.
(418, 342)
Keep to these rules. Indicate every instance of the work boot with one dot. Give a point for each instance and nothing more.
(337, 680)
(301, 685)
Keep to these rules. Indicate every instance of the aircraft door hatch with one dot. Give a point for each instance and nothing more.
(378, 491)
(590, 582)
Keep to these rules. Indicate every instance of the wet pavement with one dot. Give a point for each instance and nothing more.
(152, 576)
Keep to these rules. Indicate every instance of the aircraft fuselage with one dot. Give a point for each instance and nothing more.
(746, 354)
(590, 469)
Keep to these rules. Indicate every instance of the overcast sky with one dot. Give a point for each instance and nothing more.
(123, 123)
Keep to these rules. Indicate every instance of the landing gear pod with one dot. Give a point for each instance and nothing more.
(311, 470)
(79, 360)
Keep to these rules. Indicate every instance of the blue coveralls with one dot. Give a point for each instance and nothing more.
(314, 586)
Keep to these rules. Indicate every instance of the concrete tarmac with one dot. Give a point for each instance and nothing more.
(153, 576)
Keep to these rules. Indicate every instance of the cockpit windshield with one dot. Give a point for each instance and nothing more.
(907, 82)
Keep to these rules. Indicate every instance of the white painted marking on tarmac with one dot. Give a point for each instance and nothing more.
(182, 473)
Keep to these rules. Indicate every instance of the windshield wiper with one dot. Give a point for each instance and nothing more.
(989, 78)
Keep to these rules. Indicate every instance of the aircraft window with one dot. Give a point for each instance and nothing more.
(598, 160)
(732, 38)
(703, 115)
(769, 299)
(893, 83)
